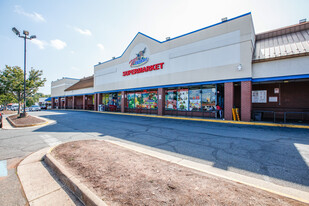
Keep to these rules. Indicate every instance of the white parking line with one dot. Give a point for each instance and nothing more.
(51, 141)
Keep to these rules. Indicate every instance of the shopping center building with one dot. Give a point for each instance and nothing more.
(265, 76)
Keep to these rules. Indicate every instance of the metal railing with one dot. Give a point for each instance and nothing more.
(258, 115)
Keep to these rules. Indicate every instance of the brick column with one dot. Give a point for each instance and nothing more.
(95, 102)
(246, 98)
(58, 103)
(161, 101)
(84, 102)
(73, 102)
(228, 100)
(99, 99)
(123, 100)
(52, 103)
(65, 102)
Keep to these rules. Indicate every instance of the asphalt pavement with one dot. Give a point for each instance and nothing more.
(275, 154)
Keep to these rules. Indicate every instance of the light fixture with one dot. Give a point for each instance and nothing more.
(302, 21)
(239, 67)
(25, 37)
(15, 31)
(224, 19)
(26, 32)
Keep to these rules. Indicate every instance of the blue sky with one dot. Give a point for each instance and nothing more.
(74, 35)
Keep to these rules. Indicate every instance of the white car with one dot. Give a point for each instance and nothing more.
(34, 108)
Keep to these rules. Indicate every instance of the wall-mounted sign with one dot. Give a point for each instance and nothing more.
(143, 69)
(276, 90)
(273, 99)
(62, 99)
(140, 59)
(259, 96)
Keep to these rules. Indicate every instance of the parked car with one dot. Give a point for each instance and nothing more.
(43, 107)
(34, 108)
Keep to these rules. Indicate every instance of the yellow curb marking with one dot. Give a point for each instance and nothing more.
(210, 120)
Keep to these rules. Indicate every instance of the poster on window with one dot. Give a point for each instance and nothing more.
(105, 99)
(209, 96)
(171, 99)
(145, 97)
(130, 99)
(259, 96)
(195, 100)
(152, 100)
(182, 99)
(119, 100)
(138, 100)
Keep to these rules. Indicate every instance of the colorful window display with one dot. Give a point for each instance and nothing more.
(152, 100)
(138, 100)
(182, 99)
(145, 97)
(142, 100)
(130, 100)
(195, 96)
(171, 99)
(209, 98)
(119, 100)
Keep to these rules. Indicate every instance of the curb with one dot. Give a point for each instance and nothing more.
(28, 125)
(201, 120)
(74, 185)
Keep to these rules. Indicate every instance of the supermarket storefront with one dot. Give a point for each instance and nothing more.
(206, 73)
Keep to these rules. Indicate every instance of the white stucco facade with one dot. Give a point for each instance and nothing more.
(209, 54)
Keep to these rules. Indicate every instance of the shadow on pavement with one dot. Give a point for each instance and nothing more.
(271, 151)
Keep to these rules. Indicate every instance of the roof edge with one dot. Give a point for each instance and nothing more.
(222, 22)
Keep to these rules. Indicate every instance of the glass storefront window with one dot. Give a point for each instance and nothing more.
(182, 99)
(145, 97)
(130, 100)
(195, 99)
(138, 100)
(119, 100)
(209, 97)
(153, 100)
(171, 99)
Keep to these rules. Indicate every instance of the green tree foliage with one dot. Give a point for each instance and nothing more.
(12, 82)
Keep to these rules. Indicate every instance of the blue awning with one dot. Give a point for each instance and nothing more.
(48, 99)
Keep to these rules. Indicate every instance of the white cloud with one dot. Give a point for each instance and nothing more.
(85, 32)
(34, 16)
(58, 44)
(39, 43)
(100, 46)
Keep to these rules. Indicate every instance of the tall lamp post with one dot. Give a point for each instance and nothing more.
(25, 37)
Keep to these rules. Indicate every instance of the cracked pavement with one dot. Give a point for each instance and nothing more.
(278, 155)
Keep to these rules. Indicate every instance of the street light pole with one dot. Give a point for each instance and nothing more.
(25, 37)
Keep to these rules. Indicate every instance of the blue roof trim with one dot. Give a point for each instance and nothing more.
(174, 37)
(178, 85)
(303, 76)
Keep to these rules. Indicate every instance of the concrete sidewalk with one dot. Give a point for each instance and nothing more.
(42, 187)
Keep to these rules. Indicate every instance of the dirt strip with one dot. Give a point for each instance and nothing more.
(123, 177)
(25, 121)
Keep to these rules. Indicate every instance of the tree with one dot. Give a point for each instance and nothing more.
(12, 82)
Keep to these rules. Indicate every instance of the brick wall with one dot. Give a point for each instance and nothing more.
(246, 106)
(161, 101)
(228, 100)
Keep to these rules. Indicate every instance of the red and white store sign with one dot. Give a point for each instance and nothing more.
(143, 69)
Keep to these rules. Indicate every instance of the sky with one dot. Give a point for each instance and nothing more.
(74, 35)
